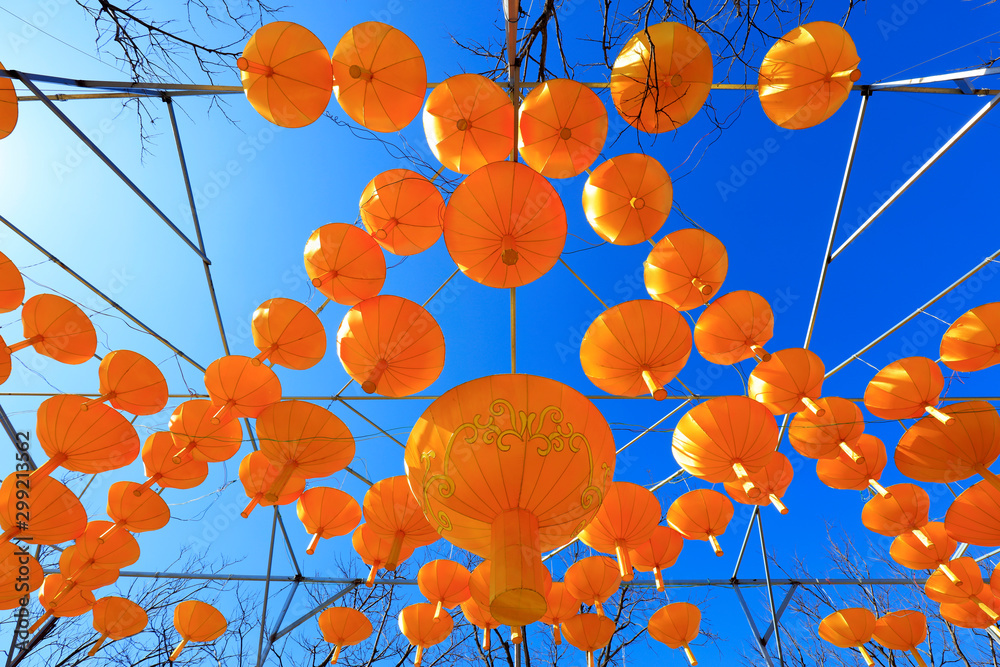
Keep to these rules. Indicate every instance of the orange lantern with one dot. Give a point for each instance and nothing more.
(906, 389)
(844, 472)
(257, 474)
(658, 553)
(930, 451)
(627, 518)
(788, 382)
(8, 106)
(56, 328)
(198, 436)
(131, 382)
(702, 514)
(904, 512)
(505, 225)
(825, 437)
(735, 327)
(117, 618)
(589, 633)
(636, 347)
(135, 509)
(807, 75)
(286, 74)
(968, 614)
(560, 606)
(676, 625)
(11, 282)
(562, 126)
(379, 76)
(392, 513)
(772, 481)
(479, 588)
(88, 441)
(115, 551)
(662, 77)
(724, 439)
(941, 588)
(469, 122)
(444, 583)
(479, 616)
(288, 334)
(420, 627)
(158, 464)
(391, 346)
(685, 268)
(902, 631)
(343, 626)
(628, 198)
(198, 622)
(79, 570)
(56, 514)
(849, 628)
(76, 603)
(403, 211)
(547, 455)
(20, 574)
(593, 580)
(344, 263)
(374, 551)
(974, 516)
(911, 553)
(326, 513)
(239, 388)
(972, 343)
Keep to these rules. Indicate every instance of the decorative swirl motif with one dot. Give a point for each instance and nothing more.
(525, 426)
(444, 523)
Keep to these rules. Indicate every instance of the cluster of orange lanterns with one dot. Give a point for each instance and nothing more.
(543, 450)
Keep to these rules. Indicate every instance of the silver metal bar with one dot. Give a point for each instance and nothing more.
(986, 555)
(951, 76)
(746, 539)
(781, 610)
(978, 116)
(655, 424)
(753, 626)
(281, 617)
(836, 216)
(317, 609)
(770, 593)
(267, 586)
(8, 427)
(117, 86)
(669, 478)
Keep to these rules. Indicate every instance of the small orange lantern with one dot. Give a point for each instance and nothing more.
(288, 334)
(627, 518)
(392, 513)
(906, 389)
(374, 551)
(56, 513)
(628, 198)
(75, 603)
(972, 342)
(135, 509)
(589, 633)
(117, 618)
(772, 481)
(479, 616)
(843, 472)
(20, 574)
(735, 327)
(158, 464)
(11, 282)
(258, 476)
(422, 629)
(910, 552)
(593, 580)
(326, 513)
(676, 625)
(198, 622)
(849, 628)
(702, 514)
(560, 606)
(131, 382)
(685, 268)
(562, 127)
(56, 328)
(904, 512)
(658, 553)
(838, 430)
(941, 588)
(788, 382)
(343, 626)
(469, 122)
(239, 388)
(902, 631)
(198, 436)
(344, 263)
(974, 516)
(444, 583)
(403, 211)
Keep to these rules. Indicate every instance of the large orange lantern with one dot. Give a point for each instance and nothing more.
(258, 476)
(343, 626)
(374, 551)
(826, 437)
(562, 126)
(197, 622)
(628, 198)
(505, 225)
(974, 516)
(627, 519)
(547, 455)
(658, 553)
(88, 441)
(735, 327)
(907, 389)
(904, 512)
(444, 583)
(117, 618)
(849, 628)
(911, 553)
(56, 514)
(902, 631)
(772, 481)
(11, 282)
(344, 263)
(20, 574)
(135, 509)
(393, 513)
(240, 388)
(158, 464)
(589, 633)
(326, 513)
(789, 382)
(972, 342)
(560, 606)
(76, 603)
(940, 588)
(197, 435)
(479, 616)
(469, 122)
(676, 625)
(403, 211)
(685, 268)
(419, 625)
(593, 581)
(379, 76)
(662, 77)
(807, 75)
(131, 382)
(724, 439)
(391, 346)
(702, 514)
(857, 472)
(56, 328)
(288, 334)
(286, 74)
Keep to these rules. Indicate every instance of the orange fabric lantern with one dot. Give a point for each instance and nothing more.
(968, 614)
(788, 382)
(827, 436)
(239, 388)
(56, 328)
(344, 263)
(724, 439)
(374, 551)
(196, 435)
(135, 509)
(906, 389)
(288, 334)
(627, 518)
(972, 342)
(589, 633)
(326, 513)
(56, 514)
(902, 631)
(974, 516)
(343, 626)
(735, 327)
(844, 472)
(702, 514)
(379, 76)
(941, 588)
(849, 628)
(114, 551)
(286, 74)
(258, 475)
(772, 481)
(158, 464)
(676, 625)
(8, 106)
(560, 606)
(910, 552)
(658, 553)
(198, 622)
(628, 198)
(469, 122)
(391, 346)
(685, 268)
(88, 441)
(11, 282)
(545, 453)
(420, 627)
(20, 574)
(117, 618)
(403, 211)
(662, 77)
(392, 513)
(505, 225)
(904, 512)
(131, 382)
(80, 570)
(562, 126)
(479, 616)
(76, 603)
(444, 583)
(807, 75)
(636, 347)
(593, 580)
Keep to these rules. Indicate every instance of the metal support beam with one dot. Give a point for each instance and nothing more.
(654, 425)
(275, 636)
(281, 617)
(746, 539)
(281, 521)
(770, 593)
(753, 626)
(951, 76)
(8, 427)
(267, 586)
(781, 610)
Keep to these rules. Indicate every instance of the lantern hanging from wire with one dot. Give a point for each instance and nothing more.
(702, 514)
(562, 125)
(402, 211)
(627, 199)
(130, 382)
(972, 342)
(735, 327)
(685, 268)
(344, 263)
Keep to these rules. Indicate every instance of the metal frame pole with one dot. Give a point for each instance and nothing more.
(753, 626)
(781, 610)
(654, 425)
(746, 539)
(267, 586)
(281, 617)
(275, 636)
(770, 592)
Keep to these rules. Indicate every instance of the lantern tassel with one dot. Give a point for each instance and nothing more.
(598, 608)
(224, 415)
(324, 278)
(420, 654)
(177, 651)
(336, 655)
(813, 406)
(246, 65)
(715, 545)
(658, 578)
(655, 388)
(109, 532)
(148, 484)
(556, 635)
(922, 536)
(100, 399)
(988, 610)
(311, 549)
(397, 547)
(760, 353)
(778, 505)
(879, 489)
(857, 458)
(437, 609)
(46, 468)
(624, 561)
(182, 454)
(701, 286)
(36, 624)
(947, 420)
(278, 485)
(590, 659)
(96, 646)
(948, 572)
(250, 506)
(516, 636)
(990, 477)
(864, 654)
(11, 349)
(370, 385)
(749, 487)
(264, 354)
(690, 656)
(919, 659)
(486, 639)
(370, 581)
